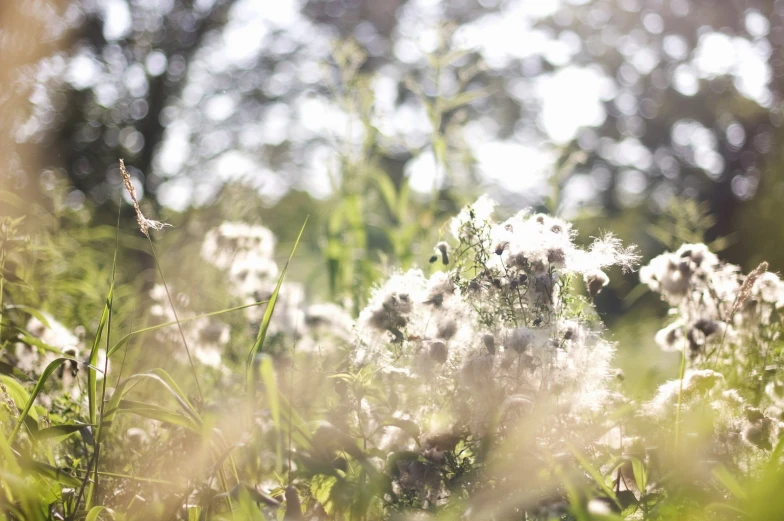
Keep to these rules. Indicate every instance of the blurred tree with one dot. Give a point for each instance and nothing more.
(107, 91)
(195, 94)
(695, 99)
(29, 33)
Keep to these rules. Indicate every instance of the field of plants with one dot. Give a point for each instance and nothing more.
(480, 384)
(360, 260)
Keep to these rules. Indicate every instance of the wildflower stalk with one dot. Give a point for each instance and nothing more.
(2, 288)
(3, 254)
(291, 407)
(105, 371)
(743, 295)
(145, 225)
(177, 319)
(681, 374)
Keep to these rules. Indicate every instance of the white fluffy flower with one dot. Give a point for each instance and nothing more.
(492, 330)
(223, 244)
(674, 274)
(471, 217)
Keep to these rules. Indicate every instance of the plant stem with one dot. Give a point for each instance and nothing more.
(680, 396)
(176, 318)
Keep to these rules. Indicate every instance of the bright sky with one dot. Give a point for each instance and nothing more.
(569, 98)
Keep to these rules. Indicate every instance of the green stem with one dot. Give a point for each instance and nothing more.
(176, 318)
(680, 396)
(2, 289)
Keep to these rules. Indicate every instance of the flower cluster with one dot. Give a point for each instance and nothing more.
(721, 316)
(206, 337)
(496, 336)
(246, 253)
(735, 426)
(726, 325)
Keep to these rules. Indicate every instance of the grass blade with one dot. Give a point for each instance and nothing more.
(265, 321)
(51, 368)
(728, 480)
(267, 373)
(157, 375)
(594, 473)
(51, 472)
(92, 380)
(10, 370)
(94, 512)
(140, 479)
(124, 340)
(156, 412)
(60, 430)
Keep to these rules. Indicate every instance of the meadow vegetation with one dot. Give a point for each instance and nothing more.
(470, 378)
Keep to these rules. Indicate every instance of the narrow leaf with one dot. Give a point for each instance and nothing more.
(94, 512)
(193, 513)
(157, 375)
(267, 373)
(124, 340)
(10, 370)
(155, 412)
(60, 430)
(726, 478)
(594, 473)
(92, 380)
(640, 474)
(53, 365)
(51, 472)
(265, 321)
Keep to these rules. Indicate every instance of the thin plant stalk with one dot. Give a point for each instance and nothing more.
(681, 374)
(105, 371)
(176, 318)
(2, 287)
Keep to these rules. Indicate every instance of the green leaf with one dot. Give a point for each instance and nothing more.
(9, 459)
(156, 412)
(32, 312)
(180, 396)
(94, 512)
(321, 489)
(388, 192)
(640, 474)
(133, 478)
(92, 379)
(726, 478)
(594, 473)
(53, 365)
(18, 393)
(37, 342)
(60, 430)
(156, 375)
(464, 98)
(10, 370)
(124, 340)
(267, 373)
(439, 149)
(265, 321)
(51, 472)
